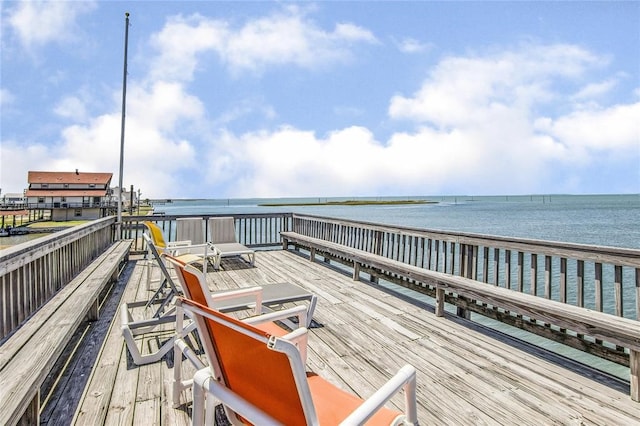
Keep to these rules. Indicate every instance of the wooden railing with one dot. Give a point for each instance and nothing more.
(605, 279)
(252, 230)
(32, 272)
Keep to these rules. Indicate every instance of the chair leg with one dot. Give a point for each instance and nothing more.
(177, 373)
(182, 349)
(149, 269)
(200, 380)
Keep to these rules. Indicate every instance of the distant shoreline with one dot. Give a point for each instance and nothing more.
(350, 203)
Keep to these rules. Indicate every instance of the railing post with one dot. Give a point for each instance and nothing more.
(439, 301)
(634, 368)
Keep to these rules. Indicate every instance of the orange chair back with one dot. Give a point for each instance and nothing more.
(259, 375)
(190, 281)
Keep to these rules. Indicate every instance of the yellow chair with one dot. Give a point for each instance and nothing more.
(190, 253)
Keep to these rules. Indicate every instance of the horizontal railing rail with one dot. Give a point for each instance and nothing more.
(71, 205)
(605, 279)
(252, 230)
(32, 272)
(598, 277)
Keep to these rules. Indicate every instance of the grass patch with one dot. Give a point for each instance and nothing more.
(53, 224)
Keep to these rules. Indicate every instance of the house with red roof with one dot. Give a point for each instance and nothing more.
(70, 195)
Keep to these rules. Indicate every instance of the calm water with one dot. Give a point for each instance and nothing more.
(612, 220)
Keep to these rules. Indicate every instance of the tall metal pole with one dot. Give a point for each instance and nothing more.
(124, 103)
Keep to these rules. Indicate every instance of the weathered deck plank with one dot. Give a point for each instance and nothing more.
(464, 376)
(97, 401)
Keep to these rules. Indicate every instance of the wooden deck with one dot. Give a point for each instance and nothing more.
(465, 375)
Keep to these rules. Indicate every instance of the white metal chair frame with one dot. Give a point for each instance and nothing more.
(208, 381)
(182, 348)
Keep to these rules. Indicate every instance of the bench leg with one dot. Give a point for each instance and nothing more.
(463, 313)
(439, 302)
(356, 271)
(634, 364)
(312, 254)
(31, 415)
(93, 313)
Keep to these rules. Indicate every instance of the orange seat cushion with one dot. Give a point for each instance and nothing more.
(334, 404)
(271, 328)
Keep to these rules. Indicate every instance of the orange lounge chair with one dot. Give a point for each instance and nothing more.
(196, 289)
(260, 379)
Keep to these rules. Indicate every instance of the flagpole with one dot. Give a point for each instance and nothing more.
(124, 97)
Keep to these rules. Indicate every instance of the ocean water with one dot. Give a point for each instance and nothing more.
(610, 220)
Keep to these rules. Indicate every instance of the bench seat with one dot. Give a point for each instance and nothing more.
(27, 356)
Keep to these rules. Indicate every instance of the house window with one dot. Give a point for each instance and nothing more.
(44, 185)
(92, 185)
(41, 199)
(77, 212)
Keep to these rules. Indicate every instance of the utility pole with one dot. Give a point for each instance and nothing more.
(124, 103)
(131, 202)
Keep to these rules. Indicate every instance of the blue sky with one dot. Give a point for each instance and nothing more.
(280, 99)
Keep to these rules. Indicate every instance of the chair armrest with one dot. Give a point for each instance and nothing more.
(237, 294)
(177, 248)
(299, 337)
(299, 311)
(175, 244)
(405, 379)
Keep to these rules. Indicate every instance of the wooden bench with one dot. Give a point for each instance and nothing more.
(613, 329)
(27, 357)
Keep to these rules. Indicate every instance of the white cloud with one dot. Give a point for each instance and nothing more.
(71, 107)
(411, 45)
(595, 90)
(468, 90)
(17, 159)
(286, 37)
(291, 162)
(478, 119)
(6, 97)
(157, 148)
(476, 128)
(615, 129)
(41, 22)
(164, 106)
(290, 38)
(180, 42)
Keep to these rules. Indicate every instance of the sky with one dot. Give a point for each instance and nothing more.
(321, 99)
